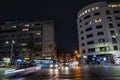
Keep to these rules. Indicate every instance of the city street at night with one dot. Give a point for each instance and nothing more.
(99, 72)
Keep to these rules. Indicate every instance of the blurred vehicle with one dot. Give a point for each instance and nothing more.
(65, 64)
(54, 66)
(22, 70)
(45, 63)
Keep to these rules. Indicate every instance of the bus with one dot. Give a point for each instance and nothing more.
(44, 63)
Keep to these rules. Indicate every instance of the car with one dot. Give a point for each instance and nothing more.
(22, 70)
(55, 65)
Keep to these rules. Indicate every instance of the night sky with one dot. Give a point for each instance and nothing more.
(63, 12)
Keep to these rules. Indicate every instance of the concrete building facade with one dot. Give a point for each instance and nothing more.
(33, 39)
(98, 27)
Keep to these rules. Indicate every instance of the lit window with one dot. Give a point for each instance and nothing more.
(85, 11)
(27, 25)
(24, 49)
(93, 9)
(112, 5)
(98, 20)
(38, 33)
(80, 14)
(97, 7)
(13, 26)
(25, 29)
(23, 44)
(88, 10)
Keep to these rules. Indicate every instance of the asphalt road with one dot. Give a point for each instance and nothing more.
(76, 73)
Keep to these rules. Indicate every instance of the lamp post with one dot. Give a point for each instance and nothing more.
(11, 49)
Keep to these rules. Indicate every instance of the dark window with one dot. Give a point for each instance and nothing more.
(82, 38)
(80, 26)
(111, 25)
(81, 32)
(117, 18)
(91, 50)
(101, 40)
(90, 35)
(100, 33)
(102, 48)
(118, 24)
(83, 44)
(80, 20)
(37, 24)
(112, 32)
(99, 26)
(116, 11)
(108, 12)
(86, 16)
(97, 13)
(90, 42)
(83, 51)
(115, 47)
(89, 29)
(88, 22)
(109, 18)
(114, 40)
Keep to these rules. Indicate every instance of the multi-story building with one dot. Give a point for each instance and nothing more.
(33, 39)
(98, 27)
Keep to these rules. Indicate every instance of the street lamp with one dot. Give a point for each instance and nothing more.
(11, 50)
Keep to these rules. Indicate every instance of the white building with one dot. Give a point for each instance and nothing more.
(99, 30)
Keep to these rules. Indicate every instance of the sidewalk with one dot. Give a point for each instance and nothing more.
(2, 69)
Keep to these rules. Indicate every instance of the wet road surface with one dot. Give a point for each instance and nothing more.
(76, 73)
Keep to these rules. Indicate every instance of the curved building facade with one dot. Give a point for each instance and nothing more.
(98, 27)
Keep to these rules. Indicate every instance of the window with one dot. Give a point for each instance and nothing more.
(112, 32)
(99, 26)
(109, 18)
(82, 38)
(25, 29)
(86, 16)
(88, 22)
(115, 47)
(37, 24)
(90, 35)
(116, 12)
(80, 20)
(81, 32)
(91, 50)
(89, 29)
(101, 40)
(111, 25)
(108, 12)
(118, 24)
(117, 18)
(83, 51)
(97, 13)
(90, 42)
(100, 33)
(83, 44)
(102, 48)
(80, 26)
(98, 20)
(114, 40)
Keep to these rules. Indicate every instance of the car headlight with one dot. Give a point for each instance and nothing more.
(51, 65)
(56, 65)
